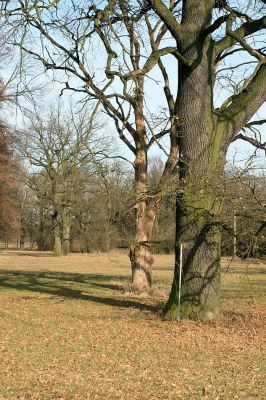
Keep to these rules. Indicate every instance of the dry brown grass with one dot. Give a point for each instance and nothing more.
(70, 329)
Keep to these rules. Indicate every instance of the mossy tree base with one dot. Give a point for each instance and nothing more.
(191, 310)
(200, 283)
(57, 251)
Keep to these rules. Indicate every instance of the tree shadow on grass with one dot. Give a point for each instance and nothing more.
(27, 253)
(245, 290)
(70, 286)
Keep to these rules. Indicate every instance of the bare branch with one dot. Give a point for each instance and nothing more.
(153, 60)
(244, 30)
(167, 17)
(252, 141)
(242, 107)
(252, 123)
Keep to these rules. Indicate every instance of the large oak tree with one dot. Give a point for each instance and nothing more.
(208, 32)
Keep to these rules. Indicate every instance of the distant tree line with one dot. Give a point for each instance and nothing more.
(61, 190)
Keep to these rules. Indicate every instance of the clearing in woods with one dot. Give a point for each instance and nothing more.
(71, 329)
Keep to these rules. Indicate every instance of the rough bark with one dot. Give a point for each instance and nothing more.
(57, 239)
(65, 233)
(202, 156)
(140, 252)
(204, 136)
(197, 231)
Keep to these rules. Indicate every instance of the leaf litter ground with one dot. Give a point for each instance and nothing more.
(71, 329)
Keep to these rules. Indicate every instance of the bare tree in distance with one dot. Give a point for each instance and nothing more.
(9, 191)
(59, 147)
(104, 218)
(245, 207)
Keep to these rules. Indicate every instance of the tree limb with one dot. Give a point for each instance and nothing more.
(252, 123)
(244, 105)
(153, 60)
(253, 52)
(252, 141)
(167, 17)
(244, 30)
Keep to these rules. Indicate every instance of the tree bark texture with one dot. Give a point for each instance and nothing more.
(200, 286)
(57, 239)
(140, 252)
(145, 208)
(145, 212)
(202, 157)
(65, 233)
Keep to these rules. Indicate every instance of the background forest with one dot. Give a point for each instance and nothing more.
(95, 199)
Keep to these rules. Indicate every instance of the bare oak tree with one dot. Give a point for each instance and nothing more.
(206, 34)
(58, 147)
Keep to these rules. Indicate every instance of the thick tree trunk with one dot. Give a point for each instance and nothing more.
(57, 240)
(202, 156)
(141, 264)
(41, 239)
(65, 230)
(199, 235)
(145, 212)
(140, 252)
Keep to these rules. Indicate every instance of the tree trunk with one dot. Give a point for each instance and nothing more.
(202, 157)
(197, 231)
(41, 239)
(57, 239)
(66, 230)
(140, 252)
(145, 212)
(22, 241)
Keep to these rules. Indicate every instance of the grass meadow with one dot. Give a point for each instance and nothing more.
(71, 329)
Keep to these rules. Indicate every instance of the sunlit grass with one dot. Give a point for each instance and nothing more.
(71, 329)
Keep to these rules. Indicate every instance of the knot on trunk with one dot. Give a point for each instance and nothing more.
(141, 264)
(141, 250)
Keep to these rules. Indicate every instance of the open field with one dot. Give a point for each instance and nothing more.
(71, 329)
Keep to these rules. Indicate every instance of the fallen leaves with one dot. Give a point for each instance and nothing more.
(99, 347)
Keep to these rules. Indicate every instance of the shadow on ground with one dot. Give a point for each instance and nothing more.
(72, 286)
(31, 253)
